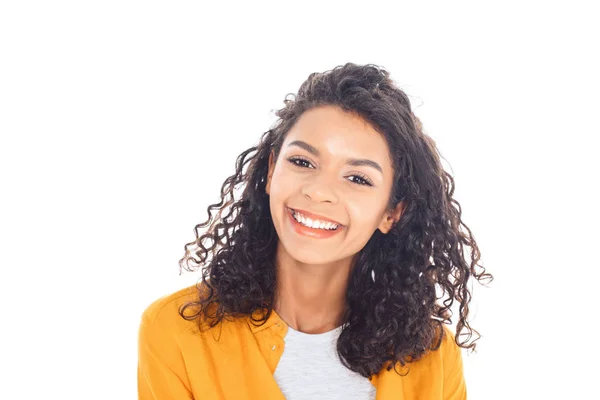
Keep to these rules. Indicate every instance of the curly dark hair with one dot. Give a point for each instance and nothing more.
(393, 315)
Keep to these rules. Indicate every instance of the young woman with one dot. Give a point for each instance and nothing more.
(334, 272)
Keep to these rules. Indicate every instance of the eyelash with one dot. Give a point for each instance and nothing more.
(361, 176)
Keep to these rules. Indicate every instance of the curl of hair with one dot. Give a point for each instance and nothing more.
(394, 316)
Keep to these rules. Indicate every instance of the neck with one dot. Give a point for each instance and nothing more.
(311, 298)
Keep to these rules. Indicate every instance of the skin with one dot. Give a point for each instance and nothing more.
(313, 273)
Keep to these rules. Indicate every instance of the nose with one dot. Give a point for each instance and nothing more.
(320, 190)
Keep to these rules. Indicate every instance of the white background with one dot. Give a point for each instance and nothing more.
(120, 120)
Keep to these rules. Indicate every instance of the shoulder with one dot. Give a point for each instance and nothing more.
(448, 340)
(167, 306)
(446, 357)
(451, 351)
(454, 385)
(163, 317)
(437, 374)
(448, 354)
(161, 321)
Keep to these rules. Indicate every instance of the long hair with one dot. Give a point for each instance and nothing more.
(394, 315)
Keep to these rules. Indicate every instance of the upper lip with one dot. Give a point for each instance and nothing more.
(314, 216)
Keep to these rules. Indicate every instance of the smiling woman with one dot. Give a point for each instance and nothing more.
(321, 280)
(336, 168)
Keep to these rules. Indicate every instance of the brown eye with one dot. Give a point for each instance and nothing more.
(363, 180)
(297, 161)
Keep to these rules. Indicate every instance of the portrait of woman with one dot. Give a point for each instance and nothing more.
(332, 267)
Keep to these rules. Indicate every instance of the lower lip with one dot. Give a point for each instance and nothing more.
(312, 232)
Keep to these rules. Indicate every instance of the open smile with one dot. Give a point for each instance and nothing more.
(318, 229)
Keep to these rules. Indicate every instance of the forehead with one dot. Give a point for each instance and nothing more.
(334, 132)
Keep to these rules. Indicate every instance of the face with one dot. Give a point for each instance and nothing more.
(332, 166)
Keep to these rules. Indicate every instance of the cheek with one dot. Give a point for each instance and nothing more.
(279, 183)
(280, 192)
(364, 215)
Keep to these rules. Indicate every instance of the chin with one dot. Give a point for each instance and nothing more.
(308, 257)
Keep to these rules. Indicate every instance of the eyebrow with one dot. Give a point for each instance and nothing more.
(357, 162)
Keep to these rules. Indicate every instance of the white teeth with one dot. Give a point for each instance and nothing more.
(313, 224)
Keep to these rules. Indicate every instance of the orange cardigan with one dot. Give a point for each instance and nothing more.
(177, 362)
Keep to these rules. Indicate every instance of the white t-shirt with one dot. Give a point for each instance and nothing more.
(310, 369)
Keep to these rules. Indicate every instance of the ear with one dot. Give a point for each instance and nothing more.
(270, 172)
(390, 218)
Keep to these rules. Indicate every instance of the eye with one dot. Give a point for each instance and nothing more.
(301, 160)
(363, 180)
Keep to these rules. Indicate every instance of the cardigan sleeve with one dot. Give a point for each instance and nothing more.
(161, 371)
(454, 386)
